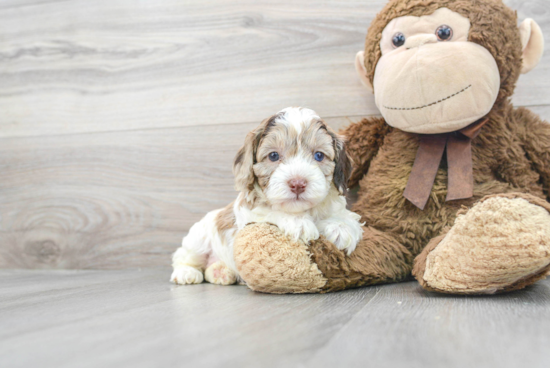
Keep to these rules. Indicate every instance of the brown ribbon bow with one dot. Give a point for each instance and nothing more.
(460, 183)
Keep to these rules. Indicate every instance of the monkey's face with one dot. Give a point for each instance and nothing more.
(430, 78)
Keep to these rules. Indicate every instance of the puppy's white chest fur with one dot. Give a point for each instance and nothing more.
(330, 218)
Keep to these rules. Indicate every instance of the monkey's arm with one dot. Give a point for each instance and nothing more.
(364, 138)
(535, 135)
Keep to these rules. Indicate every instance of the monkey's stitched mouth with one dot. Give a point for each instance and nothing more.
(428, 105)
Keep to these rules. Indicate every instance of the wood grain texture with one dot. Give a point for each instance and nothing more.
(137, 319)
(88, 66)
(405, 325)
(119, 119)
(118, 65)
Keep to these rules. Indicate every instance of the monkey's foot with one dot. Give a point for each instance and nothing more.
(501, 244)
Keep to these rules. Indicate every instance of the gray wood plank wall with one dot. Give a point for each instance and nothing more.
(119, 119)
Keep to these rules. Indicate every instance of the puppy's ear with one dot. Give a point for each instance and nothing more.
(243, 166)
(244, 163)
(342, 170)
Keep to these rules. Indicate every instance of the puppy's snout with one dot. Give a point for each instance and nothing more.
(297, 185)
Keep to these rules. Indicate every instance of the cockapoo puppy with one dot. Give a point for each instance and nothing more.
(291, 172)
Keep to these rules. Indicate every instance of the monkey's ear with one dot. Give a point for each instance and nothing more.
(360, 67)
(532, 41)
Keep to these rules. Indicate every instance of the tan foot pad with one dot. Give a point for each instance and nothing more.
(500, 244)
(269, 262)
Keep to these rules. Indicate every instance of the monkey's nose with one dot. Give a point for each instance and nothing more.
(297, 185)
(419, 40)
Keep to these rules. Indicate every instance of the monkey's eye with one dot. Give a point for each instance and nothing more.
(319, 156)
(444, 33)
(274, 156)
(398, 39)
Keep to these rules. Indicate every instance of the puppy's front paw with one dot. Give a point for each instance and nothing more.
(219, 273)
(344, 234)
(300, 228)
(183, 275)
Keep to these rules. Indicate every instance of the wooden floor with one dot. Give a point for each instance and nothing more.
(137, 319)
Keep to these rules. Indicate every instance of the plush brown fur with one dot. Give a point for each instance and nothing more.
(511, 155)
(362, 149)
(377, 259)
(500, 162)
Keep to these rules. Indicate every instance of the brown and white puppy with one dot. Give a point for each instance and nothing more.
(292, 172)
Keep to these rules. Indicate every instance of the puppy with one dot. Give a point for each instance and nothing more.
(291, 172)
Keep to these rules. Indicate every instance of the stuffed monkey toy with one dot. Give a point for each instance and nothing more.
(454, 182)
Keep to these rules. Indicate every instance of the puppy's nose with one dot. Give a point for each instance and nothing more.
(297, 185)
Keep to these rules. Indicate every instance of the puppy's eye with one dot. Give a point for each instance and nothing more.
(319, 156)
(444, 33)
(274, 156)
(398, 39)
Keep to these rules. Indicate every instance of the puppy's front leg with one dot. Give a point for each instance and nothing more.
(343, 229)
(297, 227)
